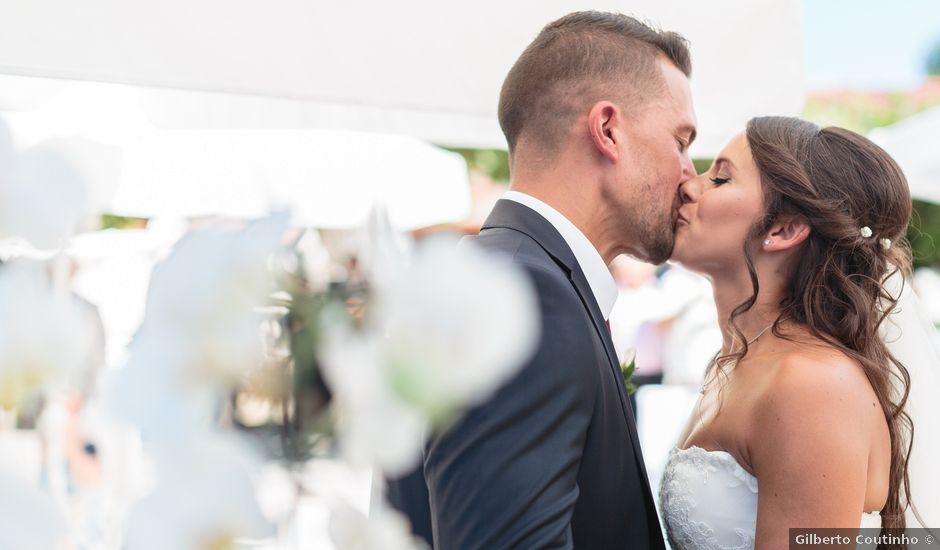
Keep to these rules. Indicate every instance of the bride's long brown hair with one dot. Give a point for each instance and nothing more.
(840, 182)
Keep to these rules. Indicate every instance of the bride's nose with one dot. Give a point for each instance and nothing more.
(690, 190)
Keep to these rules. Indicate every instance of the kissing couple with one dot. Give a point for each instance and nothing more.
(802, 421)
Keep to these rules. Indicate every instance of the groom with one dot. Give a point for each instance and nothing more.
(598, 116)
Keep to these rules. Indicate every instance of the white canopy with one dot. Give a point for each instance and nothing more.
(423, 68)
(328, 179)
(913, 144)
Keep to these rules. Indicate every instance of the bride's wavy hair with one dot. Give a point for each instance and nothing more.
(840, 182)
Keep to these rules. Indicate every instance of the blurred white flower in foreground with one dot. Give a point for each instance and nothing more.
(205, 498)
(383, 529)
(42, 334)
(376, 426)
(29, 519)
(445, 332)
(201, 332)
(42, 197)
(460, 322)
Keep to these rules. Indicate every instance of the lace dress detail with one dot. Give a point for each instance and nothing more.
(709, 502)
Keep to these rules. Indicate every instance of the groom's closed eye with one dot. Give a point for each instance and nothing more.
(686, 135)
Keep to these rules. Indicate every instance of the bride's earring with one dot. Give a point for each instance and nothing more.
(767, 242)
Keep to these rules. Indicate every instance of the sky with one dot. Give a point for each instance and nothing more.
(868, 44)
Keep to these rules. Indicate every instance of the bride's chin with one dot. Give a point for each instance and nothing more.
(681, 254)
(680, 260)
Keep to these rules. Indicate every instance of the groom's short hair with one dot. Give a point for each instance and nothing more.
(577, 60)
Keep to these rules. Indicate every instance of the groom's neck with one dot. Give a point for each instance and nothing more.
(576, 205)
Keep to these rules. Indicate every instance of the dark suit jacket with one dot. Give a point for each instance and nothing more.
(552, 460)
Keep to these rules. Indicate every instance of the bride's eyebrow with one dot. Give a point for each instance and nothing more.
(722, 160)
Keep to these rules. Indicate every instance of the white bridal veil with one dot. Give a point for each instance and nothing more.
(911, 337)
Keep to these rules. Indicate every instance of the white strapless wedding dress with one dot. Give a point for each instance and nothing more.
(709, 502)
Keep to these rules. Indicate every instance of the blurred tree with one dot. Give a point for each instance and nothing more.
(492, 162)
(933, 60)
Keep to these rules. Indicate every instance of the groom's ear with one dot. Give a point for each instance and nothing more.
(786, 233)
(604, 120)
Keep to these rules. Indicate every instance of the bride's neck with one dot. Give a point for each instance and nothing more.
(729, 293)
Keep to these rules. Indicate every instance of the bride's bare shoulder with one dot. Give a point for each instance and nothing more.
(817, 375)
(814, 391)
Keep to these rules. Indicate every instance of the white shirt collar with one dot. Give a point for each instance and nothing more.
(595, 270)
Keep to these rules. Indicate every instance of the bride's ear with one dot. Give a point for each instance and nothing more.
(786, 233)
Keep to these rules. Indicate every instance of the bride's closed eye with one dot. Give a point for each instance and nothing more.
(719, 180)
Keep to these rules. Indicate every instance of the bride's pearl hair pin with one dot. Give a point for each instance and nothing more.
(867, 233)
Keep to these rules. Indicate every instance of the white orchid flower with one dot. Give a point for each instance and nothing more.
(384, 529)
(202, 297)
(43, 335)
(31, 520)
(151, 393)
(42, 197)
(201, 332)
(460, 323)
(205, 498)
(376, 426)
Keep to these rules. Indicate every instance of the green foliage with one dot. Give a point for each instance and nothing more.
(627, 370)
(308, 417)
(495, 163)
(863, 112)
(110, 221)
(492, 162)
(702, 165)
(923, 234)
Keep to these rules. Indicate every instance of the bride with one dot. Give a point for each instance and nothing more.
(796, 227)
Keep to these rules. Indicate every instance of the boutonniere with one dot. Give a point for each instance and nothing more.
(627, 367)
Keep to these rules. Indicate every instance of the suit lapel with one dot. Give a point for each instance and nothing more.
(587, 298)
(512, 215)
(579, 280)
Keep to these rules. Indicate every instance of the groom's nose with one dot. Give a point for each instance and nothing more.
(688, 168)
